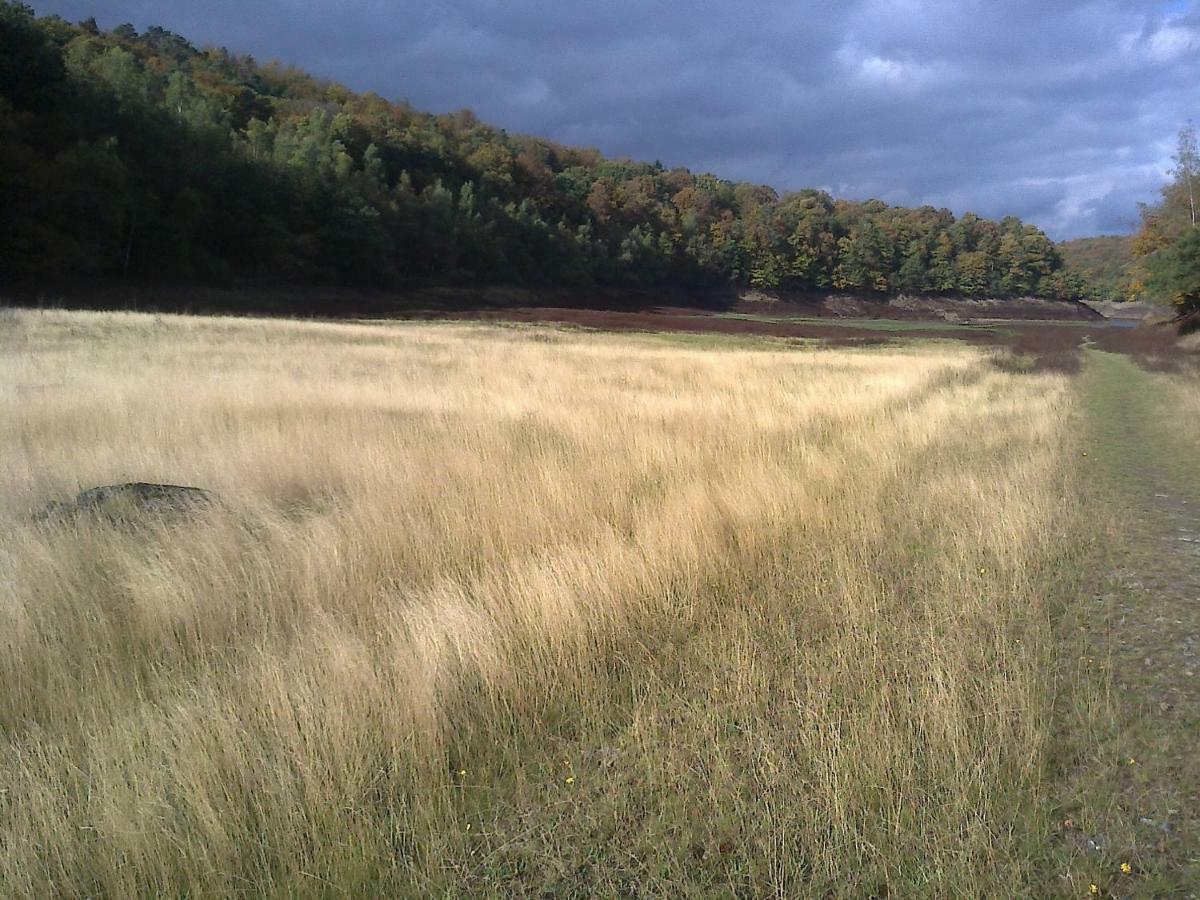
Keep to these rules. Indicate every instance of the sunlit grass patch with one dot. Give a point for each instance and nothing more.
(483, 611)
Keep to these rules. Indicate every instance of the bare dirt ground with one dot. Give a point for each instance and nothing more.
(1037, 345)
(421, 300)
(1045, 334)
(1129, 310)
(696, 321)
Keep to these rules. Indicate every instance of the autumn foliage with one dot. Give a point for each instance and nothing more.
(141, 157)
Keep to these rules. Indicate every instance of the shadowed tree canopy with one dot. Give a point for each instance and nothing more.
(143, 157)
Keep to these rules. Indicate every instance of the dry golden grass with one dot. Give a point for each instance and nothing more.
(1179, 409)
(524, 610)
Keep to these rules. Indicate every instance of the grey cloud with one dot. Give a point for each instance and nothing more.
(1060, 113)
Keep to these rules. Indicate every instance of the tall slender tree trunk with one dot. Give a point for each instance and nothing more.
(1188, 159)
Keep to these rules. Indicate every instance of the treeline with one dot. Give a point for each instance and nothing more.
(1167, 246)
(1108, 264)
(138, 156)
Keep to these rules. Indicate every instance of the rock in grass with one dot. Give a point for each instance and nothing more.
(127, 502)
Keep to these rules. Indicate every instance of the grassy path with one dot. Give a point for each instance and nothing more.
(1134, 800)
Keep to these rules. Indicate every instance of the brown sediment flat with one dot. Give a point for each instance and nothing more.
(340, 303)
(694, 321)
(1041, 346)
(1042, 334)
(1033, 339)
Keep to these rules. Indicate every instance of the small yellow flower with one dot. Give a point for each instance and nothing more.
(1093, 888)
(570, 779)
(462, 773)
(468, 826)
(1126, 868)
(1132, 761)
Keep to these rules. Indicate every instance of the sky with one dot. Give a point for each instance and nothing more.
(1063, 113)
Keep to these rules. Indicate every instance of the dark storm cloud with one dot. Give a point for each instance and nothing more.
(1062, 113)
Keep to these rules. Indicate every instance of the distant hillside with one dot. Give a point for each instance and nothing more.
(1107, 262)
(139, 158)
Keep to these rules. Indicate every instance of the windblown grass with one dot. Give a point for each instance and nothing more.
(523, 610)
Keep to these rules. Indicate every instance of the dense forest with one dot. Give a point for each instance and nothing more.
(140, 157)
(1167, 247)
(1107, 262)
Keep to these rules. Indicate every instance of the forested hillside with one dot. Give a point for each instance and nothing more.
(1107, 262)
(140, 157)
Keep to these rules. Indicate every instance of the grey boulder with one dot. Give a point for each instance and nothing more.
(123, 502)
